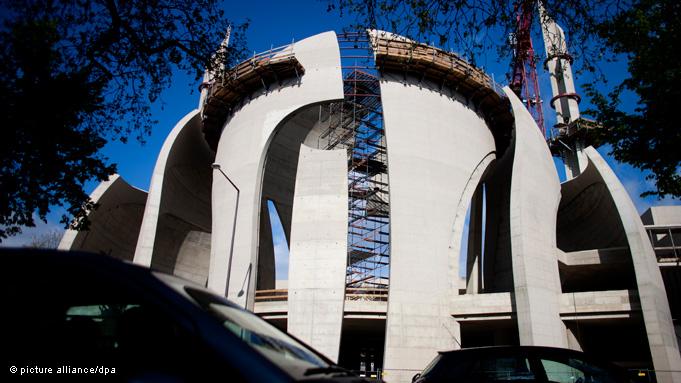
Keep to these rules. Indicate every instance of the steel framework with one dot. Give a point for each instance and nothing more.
(356, 124)
(524, 80)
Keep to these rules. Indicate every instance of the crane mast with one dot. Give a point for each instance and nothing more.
(524, 80)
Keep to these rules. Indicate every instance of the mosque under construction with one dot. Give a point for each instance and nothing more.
(390, 163)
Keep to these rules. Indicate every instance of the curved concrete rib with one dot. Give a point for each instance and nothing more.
(318, 255)
(114, 225)
(435, 142)
(471, 197)
(587, 215)
(178, 204)
(278, 184)
(241, 154)
(535, 194)
(656, 315)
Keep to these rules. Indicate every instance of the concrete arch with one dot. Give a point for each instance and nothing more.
(468, 197)
(242, 153)
(534, 199)
(664, 348)
(177, 216)
(279, 175)
(114, 225)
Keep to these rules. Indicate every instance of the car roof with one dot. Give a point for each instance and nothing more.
(27, 258)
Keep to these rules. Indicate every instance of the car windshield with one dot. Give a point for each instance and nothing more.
(273, 343)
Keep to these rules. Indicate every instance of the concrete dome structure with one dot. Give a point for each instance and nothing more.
(372, 160)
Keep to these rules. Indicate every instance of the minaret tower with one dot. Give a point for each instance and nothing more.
(570, 139)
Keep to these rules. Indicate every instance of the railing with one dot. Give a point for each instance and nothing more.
(227, 89)
(351, 294)
(366, 294)
(274, 295)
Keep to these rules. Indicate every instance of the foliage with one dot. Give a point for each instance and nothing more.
(644, 32)
(474, 27)
(76, 74)
(649, 34)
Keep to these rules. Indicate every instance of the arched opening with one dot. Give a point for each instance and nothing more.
(280, 246)
(473, 244)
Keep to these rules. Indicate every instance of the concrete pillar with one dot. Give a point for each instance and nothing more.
(535, 195)
(318, 256)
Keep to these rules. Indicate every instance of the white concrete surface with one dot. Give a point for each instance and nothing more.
(435, 144)
(656, 315)
(318, 256)
(535, 195)
(242, 152)
(114, 224)
(193, 257)
(662, 215)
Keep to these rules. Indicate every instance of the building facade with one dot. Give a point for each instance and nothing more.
(383, 157)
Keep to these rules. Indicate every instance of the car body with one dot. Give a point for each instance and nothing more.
(519, 364)
(72, 312)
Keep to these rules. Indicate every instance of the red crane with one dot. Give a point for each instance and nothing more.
(524, 81)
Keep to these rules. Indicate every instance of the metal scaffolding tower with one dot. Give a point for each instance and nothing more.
(356, 124)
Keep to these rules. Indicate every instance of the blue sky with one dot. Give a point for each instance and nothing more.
(275, 23)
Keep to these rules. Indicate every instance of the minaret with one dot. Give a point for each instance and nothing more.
(565, 99)
(209, 76)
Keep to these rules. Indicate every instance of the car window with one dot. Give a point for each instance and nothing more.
(86, 320)
(574, 370)
(274, 344)
(561, 373)
(501, 369)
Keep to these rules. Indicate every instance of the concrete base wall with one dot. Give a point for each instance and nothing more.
(318, 255)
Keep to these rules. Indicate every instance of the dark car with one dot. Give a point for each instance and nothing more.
(519, 364)
(78, 315)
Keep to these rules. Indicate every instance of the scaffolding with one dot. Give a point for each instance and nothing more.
(228, 89)
(356, 125)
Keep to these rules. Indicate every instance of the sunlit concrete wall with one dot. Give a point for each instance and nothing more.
(278, 182)
(435, 143)
(242, 153)
(114, 225)
(535, 195)
(651, 291)
(317, 261)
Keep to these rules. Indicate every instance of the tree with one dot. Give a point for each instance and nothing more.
(47, 240)
(76, 74)
(649, 138)
(646, 33)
